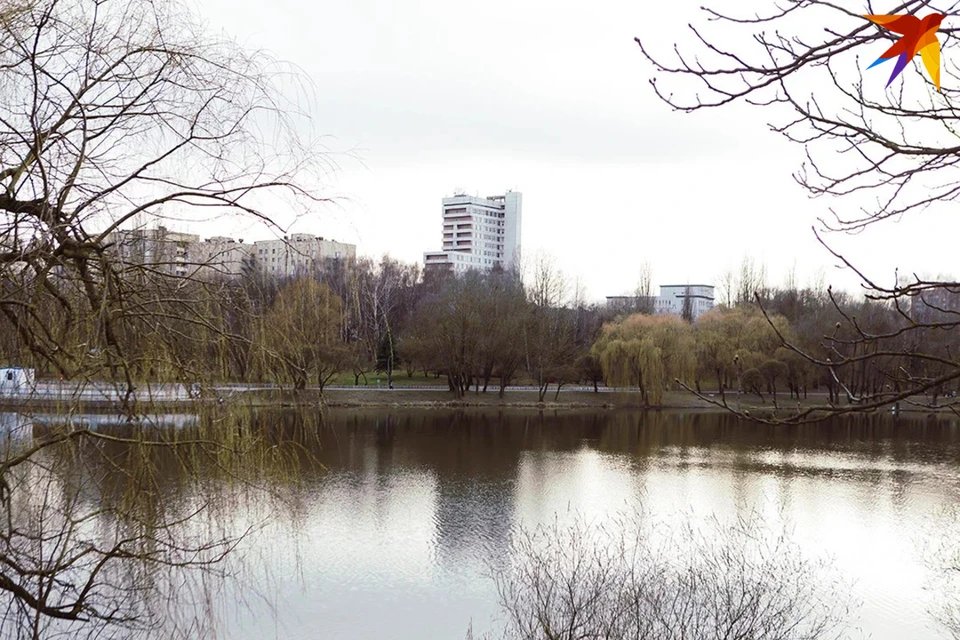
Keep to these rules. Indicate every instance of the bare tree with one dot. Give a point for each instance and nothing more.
(726, 285)
(644, 290)
(548, 332)
(623, 580)
(302, 333)
(686, 311)
(876, 154)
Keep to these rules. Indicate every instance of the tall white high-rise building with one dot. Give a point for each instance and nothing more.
(478, 233)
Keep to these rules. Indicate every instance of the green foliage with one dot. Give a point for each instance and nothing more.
(752, 381)
(302, 333)
(647, 352)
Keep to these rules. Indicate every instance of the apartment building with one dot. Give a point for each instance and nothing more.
(168, 252)
(184, 255)
(478, 233)
(299, 253)
(221, 256)
(936, 305)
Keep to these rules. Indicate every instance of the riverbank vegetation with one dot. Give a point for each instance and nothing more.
(364, 323)
(629, 577)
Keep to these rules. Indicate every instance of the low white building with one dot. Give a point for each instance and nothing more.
(674, 297)
(16, 381)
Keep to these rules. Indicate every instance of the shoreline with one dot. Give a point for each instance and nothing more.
(346, 398)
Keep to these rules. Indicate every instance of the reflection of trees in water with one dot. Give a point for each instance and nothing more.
(15, 431)
(130, 502)
(126, 524)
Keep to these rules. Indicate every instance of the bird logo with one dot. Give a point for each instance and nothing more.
(919, 36)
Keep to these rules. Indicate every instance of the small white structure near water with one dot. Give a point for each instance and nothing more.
(16, 381)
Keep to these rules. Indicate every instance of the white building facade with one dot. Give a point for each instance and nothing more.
(221, 256)
(167, 251)
(16, 381)
(673, 297)
(478, 233)
(183, 254)
(299, 254)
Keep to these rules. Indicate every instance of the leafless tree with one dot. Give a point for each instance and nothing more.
(644, 289)
(686, 311)
(626, 578)
(875, 154)
(548, 331)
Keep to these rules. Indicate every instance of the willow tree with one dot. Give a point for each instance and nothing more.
(873, 154)
(647, 351)
(302, 333)
(114, 112)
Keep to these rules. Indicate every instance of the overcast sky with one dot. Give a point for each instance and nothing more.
(423, 97)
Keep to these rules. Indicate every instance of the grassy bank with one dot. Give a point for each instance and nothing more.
(427, 398)
(399, 397)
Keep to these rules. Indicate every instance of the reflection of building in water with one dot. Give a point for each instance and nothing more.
(94, 421)
(476, 464)
(472, 521)
(15, 429)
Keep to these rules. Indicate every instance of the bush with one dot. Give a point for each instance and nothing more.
(628, 579)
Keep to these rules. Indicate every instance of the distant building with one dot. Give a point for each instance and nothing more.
(299, 253)
(183, 254)
(941, 304)
(672, 299)
(166, 251)
(221, 256)
(16, 380)
(478, 233)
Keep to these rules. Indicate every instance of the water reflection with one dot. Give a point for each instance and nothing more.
(859, 489)
(390, 537)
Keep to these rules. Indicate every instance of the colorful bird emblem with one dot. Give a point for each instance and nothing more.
(919, 36)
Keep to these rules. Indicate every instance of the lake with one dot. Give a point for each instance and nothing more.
(393, 538)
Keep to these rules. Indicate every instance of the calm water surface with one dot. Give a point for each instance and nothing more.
(392, 541)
